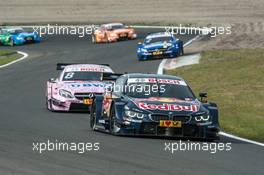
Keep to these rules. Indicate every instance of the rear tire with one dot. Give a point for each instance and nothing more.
(182, 52)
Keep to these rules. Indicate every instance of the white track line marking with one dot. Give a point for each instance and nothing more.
(191, 40)
(240, 138)
(161, 65)
(25, 55)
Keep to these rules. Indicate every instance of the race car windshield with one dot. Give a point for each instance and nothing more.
(158, 39)
(4, 32)
(114, 27)
(81, 76)
(16, 31)
(146, 90)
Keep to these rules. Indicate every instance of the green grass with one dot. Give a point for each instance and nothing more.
(234, 79)
(7, 56)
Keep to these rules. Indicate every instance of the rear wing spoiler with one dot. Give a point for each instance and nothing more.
(111, 76)
(61, 66)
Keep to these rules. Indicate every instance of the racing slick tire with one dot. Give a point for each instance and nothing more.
(12, 42)
(182, 52)
(107, 40)
(112, 122)
(94, 39)
(49, 105)
(93, 117)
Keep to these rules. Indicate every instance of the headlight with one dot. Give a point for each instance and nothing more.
(202, 118)
(65, 94)
(19, 38)
(144, 50)
(133, 114)
(113, 35)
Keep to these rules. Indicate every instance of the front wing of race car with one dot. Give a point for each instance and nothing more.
(161, 53)
(55, 102)
(69, 105)
(171, 130)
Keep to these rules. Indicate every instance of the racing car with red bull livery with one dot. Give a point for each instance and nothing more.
(154, 105)
(76, 86)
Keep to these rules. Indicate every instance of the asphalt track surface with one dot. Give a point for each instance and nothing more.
(25, 120)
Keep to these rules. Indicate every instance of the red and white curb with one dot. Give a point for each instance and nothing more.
(25, 55)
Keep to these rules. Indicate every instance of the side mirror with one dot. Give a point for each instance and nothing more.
(52, 79)
(109, 89)
(203, 96)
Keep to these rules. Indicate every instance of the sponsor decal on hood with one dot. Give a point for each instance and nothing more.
(162, 99)
(158, 45)
(157, 80)
(168, 107)
(80, 85)
(96, 87)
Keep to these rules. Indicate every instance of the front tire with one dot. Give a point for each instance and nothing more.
(112, 121)
(94, 39)
(49, 104)
(93, 117)
(12, 42)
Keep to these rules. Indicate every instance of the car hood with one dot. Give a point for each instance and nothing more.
(118, 31)
(82, 86)
(25, 34)
(157, 45)
(169, 106)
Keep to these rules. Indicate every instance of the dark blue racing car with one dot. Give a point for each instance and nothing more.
(154, 105)
(160, 45)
